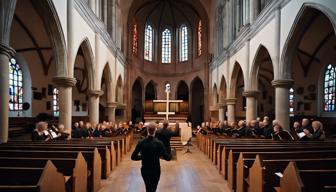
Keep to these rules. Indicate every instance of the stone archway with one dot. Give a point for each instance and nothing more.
(137, 100)
(197, 102)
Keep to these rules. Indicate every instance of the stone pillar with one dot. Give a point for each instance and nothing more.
(251, 104)
(7, 9)
(110, 109)
(231, 104)
(5, 54)
(281, 101)
(94, 105)
(64, 86)
(221, 112)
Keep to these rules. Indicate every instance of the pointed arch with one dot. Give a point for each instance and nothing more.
(197, 101)
(214, 95)
(119, 90)
(222, 90)
(48, 13)
(150, 93)
(106, 83)
(86, 50)
(237, 73)
(261, 65)
(137, 100)
(297, 31)
(182, 91)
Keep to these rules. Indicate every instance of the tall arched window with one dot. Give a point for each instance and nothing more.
(135, 39)
(199, 38)
(148, 49)
(55, 102)
(329, 89)
(184, 43)
(166, 46)
(291, 102)
(15, 86)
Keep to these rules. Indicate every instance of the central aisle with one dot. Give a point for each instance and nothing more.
(191, 172)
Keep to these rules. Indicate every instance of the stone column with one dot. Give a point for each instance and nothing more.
(7, 9)
(281, 101)
(5, 54)
(231, 104)
(110, 109)
(221, 112)
(251, 104)
(94, 105)
(64, 86)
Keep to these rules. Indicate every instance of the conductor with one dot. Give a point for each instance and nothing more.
(165, 135)
(149, 151)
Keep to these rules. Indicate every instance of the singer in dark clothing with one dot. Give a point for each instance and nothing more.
(149, 152)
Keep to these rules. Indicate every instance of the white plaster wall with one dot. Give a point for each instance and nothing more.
(61, 8)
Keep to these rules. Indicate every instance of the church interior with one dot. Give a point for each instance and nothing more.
(248, 87)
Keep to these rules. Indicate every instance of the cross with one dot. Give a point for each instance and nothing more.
(167, 101)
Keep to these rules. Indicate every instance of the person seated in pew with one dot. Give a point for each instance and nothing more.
(76, 131)
(268, 128)
(317, 134)
(305, 125)
(240, 131)
(252, 129)
(41, 132)
(98, 132)
(280, 135)
(61, 134)
(296, 127)
(107, 132)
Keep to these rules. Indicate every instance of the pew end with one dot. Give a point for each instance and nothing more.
(291, 181)
(256, 175)
(80, 174)
(52, 185)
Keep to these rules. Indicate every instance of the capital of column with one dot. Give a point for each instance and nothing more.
(230, 101)
(64, 81)
(221, 105)
(7, 50)
(251, 93)
(95, 93)
(285, 83)
(111, 105)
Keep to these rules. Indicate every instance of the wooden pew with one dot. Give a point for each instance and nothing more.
(101, 145)
(104, 152)
(92, 158)
(237, 171)
(262, 174)
(45, 179)
(297, 180)
(266, 147)
(74, 170)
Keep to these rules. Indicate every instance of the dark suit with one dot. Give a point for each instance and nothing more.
(165, 135)
(149, 151)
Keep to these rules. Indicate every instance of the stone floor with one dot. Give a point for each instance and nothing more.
(191, 172)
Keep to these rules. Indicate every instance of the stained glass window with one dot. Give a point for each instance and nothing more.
(329, 89)
(184, 44)
(166, 46)
(55, 102)
(148, 50)
(135, 39)
(15, 86)
(291, 102)
(199, 38)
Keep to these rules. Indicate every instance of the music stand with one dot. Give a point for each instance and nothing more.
(188, 144)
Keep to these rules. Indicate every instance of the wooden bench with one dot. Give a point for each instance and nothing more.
(263, 173)
(74, 170)
(92, 158)
(45, 179)
(297, 180)
(238, 171)
(103, 150)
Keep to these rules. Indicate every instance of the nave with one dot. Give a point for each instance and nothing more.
(191, 172)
